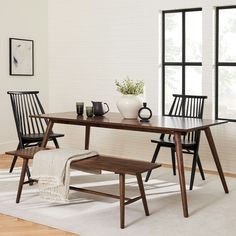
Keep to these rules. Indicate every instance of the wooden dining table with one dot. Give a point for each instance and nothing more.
(177, 126)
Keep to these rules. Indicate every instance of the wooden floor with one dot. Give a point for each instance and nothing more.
(11, 226)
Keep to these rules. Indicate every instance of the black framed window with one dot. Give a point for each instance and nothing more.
(181, 54)
(225, 62)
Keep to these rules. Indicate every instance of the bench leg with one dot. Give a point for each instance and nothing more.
(122, 200)
(13, 164)
(22, 178)
(142, 192)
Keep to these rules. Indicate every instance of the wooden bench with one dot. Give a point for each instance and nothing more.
(122, 167)
(119, 166)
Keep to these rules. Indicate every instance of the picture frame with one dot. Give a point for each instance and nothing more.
(21, 55)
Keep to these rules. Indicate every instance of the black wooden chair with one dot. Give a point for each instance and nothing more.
(30, 130)
(189, 106)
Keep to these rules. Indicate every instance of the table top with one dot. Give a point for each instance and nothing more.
(162, 124)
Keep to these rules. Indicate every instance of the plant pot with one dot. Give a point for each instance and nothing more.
(129, 105)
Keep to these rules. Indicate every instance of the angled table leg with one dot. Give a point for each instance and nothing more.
(47, 133)
(122, 200)
(216, 158)
(87, 136)
(179, 154)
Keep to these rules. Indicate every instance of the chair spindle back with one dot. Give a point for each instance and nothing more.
(25, 104)
(189, 106)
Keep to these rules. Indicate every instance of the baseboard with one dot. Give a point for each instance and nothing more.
(212, 172)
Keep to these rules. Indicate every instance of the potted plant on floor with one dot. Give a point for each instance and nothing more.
(130, 103)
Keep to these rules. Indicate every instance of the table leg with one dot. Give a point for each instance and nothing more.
(216, 158)
(47, 133)
(87, 137)
(179, 155)
(122, 200)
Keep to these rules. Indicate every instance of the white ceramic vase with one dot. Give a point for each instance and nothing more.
(129, 105)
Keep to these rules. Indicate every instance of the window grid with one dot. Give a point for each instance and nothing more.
(183, 63)
(219, 64)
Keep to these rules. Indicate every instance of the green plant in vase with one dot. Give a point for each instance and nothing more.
(130, 103)
(129, 86)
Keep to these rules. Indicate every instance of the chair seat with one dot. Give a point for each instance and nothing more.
(39, 137)
(169, 142)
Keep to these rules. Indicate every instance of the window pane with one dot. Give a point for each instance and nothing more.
(194, 36)
(227, 35)
(227, 92)
(173, 84)
(193, 81)
(173, 37)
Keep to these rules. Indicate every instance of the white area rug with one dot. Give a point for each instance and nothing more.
(212, 212)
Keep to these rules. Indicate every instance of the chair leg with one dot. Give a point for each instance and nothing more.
(200, 168)
(14, 160)
(173, 161)
(55, 142)
(153, 161)
(22, 178)
(195, 157)
(28, 175)
(196, 160)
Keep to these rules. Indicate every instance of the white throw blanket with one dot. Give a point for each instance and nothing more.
(52, 170)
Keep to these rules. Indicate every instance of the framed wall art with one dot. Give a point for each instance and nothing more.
(21, 57)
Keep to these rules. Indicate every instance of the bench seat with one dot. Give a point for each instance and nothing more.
(117, 165)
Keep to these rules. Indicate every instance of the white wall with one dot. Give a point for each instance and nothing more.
(93, 43)
(21, 19)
